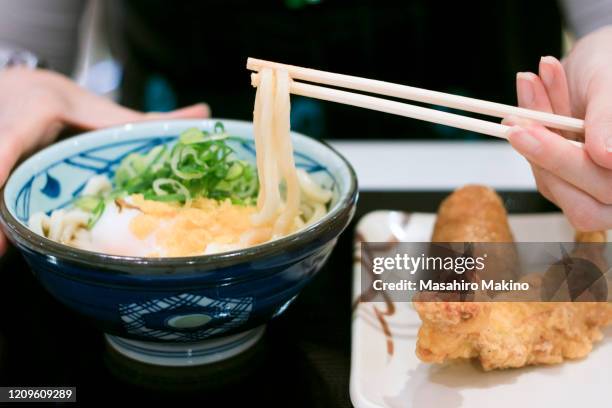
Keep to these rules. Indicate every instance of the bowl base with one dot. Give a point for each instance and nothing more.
(186, 354)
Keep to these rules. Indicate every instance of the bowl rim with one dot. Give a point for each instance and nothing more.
(37, 243)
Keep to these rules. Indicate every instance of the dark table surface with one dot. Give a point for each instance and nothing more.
(302, 360)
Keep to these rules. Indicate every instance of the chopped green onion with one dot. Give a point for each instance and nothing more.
(200, 164)
(166, 198)
(191, 136)
(87, 203)
(177, 186)
(175, 162)
(96, 214)
(235, 171)
(219, 128)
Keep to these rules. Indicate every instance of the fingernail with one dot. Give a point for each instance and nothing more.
(509, 121)
(523, 141)
(515, 121)
(547, 70)
(206, 108)
(526, 93)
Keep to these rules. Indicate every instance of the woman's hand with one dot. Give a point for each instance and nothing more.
(35, 105)
(578, 180)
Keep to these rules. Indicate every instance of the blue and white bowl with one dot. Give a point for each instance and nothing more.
(171, 311)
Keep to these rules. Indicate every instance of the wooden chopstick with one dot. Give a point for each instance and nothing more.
(416, 94)
(397, 108)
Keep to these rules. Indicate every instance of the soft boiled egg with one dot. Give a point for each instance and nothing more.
(111, 234)
(137, 227)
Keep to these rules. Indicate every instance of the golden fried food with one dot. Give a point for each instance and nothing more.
(594, 236)
(501, 334)
(476, 213)
(509, 334)
(472, 214)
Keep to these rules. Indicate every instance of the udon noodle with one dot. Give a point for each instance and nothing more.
(275, 163)
(177, 212)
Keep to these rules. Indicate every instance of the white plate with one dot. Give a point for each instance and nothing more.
(379, 379)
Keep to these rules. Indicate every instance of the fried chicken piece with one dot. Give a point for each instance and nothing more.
(501, 334)
(509, 334)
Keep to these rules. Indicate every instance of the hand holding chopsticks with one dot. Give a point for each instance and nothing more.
(415, 94)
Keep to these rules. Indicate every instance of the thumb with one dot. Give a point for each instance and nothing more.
(598, 121)
(197, 111)
(89, 111)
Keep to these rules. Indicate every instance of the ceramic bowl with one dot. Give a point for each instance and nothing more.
(171, 311)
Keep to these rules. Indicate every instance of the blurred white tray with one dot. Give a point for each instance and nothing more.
(466, 158)
(402, 380)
